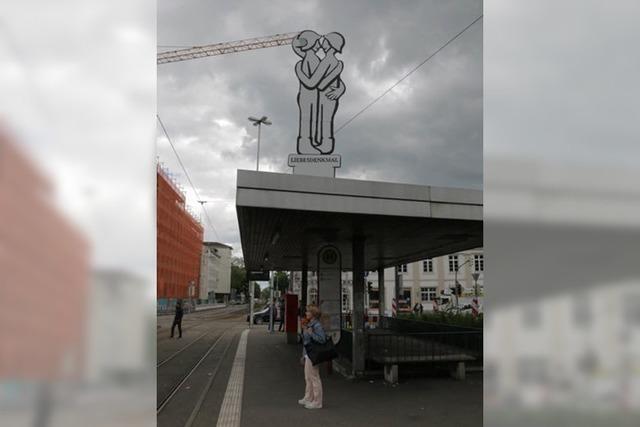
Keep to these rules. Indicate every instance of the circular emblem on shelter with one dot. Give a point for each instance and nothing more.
(329, 256)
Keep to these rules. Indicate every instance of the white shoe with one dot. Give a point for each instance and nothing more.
(303, 401)
(313, 406)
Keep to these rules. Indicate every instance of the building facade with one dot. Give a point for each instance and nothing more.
(120, 325)
(215, 273)
(572, 350)
(421, 281)
(179, 244)
(426, 280)
(44, 275)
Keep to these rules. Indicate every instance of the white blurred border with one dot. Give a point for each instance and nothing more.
(562, 213)
(78, 97)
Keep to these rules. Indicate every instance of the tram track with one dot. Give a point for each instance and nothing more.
(188, 376)
(164, 401)
(195, 321)
(219, 316)
(168, 359)
(203, 394)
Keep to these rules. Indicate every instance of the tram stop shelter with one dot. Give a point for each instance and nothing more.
(286, 219)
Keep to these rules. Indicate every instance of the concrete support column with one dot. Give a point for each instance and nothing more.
(397, 277)
(305, 282)
(381, 294)
(359, 344)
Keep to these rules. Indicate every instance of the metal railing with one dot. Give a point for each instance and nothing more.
(167, 309)
(410, 326)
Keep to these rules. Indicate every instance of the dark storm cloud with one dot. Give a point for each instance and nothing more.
(428, 130)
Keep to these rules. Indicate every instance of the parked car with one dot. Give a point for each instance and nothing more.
(261, 316)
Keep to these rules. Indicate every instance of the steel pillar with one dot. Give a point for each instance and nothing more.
(381, 294)
(359, 344)
(397, 276)
(304, 286)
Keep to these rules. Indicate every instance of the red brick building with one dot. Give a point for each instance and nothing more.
(44, 275)
(179, 243)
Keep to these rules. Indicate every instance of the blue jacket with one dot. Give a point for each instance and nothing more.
(317, 334)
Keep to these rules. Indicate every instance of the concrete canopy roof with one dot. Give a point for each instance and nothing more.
(285, 219)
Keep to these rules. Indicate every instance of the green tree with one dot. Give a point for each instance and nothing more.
(239, 276)
(264, 294)
(281, 281)
(239, 279)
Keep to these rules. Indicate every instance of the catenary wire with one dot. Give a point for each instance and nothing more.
(370, 104)
(164, 130)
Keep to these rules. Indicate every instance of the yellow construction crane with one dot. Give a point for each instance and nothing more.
(224, 48)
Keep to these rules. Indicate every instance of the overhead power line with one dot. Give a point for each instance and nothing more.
(164, 130)
(413, 70)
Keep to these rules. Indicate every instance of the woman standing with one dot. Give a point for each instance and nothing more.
(312, 330)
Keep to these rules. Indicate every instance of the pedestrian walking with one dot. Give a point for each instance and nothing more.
(418, 309)
(312, 330)
(281, 315)
(177, 320)
(273, 313)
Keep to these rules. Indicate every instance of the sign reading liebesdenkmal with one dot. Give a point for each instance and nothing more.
(321, 87)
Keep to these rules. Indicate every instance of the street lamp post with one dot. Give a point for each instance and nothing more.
(251, 292)
(271, 305)
(456, 280)
(192, 288)
(475, 276)
(259, 122)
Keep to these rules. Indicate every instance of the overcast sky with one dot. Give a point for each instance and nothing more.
(428, 130)
(77, 90)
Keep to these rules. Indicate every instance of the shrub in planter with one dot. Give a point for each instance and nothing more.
(456, 319)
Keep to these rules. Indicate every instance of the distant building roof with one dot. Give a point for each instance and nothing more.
(217, 244)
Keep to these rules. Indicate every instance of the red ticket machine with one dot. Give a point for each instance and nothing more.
(291, 318)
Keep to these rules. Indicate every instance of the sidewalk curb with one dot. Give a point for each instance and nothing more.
(215, 307)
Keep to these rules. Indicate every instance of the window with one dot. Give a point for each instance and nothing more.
(531, 317)
(374, 299)
(532, 370)
(405, 296)
(345, 301)
(427, 266)
(403, 268)
(582, 312)
(631, 310)
(453, 263)
(313, 296)
(478, 263)
(428, 294)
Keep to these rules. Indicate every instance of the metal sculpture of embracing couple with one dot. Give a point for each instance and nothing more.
(320, 89)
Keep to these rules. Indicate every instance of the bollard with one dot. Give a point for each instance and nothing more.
(391, 374)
